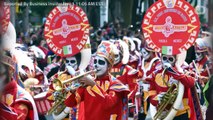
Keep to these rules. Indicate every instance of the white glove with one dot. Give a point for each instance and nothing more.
(166, 65)
(172, 81)
(71, 70)
(58, 95)
(160, 96)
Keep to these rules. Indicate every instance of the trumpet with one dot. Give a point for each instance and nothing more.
(59, 86)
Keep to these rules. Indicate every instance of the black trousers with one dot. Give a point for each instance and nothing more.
(142, 116)
(182, 117)
(42, 117)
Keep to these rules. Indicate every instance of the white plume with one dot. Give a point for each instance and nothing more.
(23, 60)
(38, 52)
(9, 38)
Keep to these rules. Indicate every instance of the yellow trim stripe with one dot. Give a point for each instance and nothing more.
(152, 92)
(97, 90)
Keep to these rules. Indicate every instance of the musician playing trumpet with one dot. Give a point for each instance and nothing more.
(103, 96)
(57, 93)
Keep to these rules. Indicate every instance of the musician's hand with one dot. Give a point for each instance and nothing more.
(69, 89)
(58, 95)
(204, 79)
(160, 97)
(87, 81)
(70, 70)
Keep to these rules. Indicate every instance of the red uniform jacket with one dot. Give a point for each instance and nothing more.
(128, 76)
(6, 113)
(9, 97)
(147, 67)
(133, 64)
(134, 59)
(104, 101)
(202, 67)
(157, 86)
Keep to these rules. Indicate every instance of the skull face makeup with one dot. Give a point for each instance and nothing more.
(145, 54)
(168, 61)
(117, 58)
(199, 56)
(72, 61)
(101, 65)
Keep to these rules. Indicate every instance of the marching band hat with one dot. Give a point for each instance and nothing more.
(123, 49)
(106, 50)
(201, 45)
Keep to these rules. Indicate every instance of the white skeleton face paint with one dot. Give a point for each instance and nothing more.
(72, 61)
(168, 61)
(145, 54)
(199, 56)
(101, 65)
(117, 59)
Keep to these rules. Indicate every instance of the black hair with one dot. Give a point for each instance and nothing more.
(78, 58)
(53, 71)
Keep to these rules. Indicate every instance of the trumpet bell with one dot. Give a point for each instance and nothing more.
(63, 86)
(57, 85)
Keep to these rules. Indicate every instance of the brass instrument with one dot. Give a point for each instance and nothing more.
(59, 86)
(167, 99)
(55, 109)
(170, 101)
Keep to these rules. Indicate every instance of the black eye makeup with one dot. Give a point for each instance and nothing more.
(168, 58)
(100, 62)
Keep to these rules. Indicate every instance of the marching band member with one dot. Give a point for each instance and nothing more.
(123, 72)
(27, 63)
(202, 65)
(161, 79)
(201, 68)
(134, 55)
(6, 112)
(103, 96)
(16, 97)
(150, 62)
(13, 95)
(73, 66)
